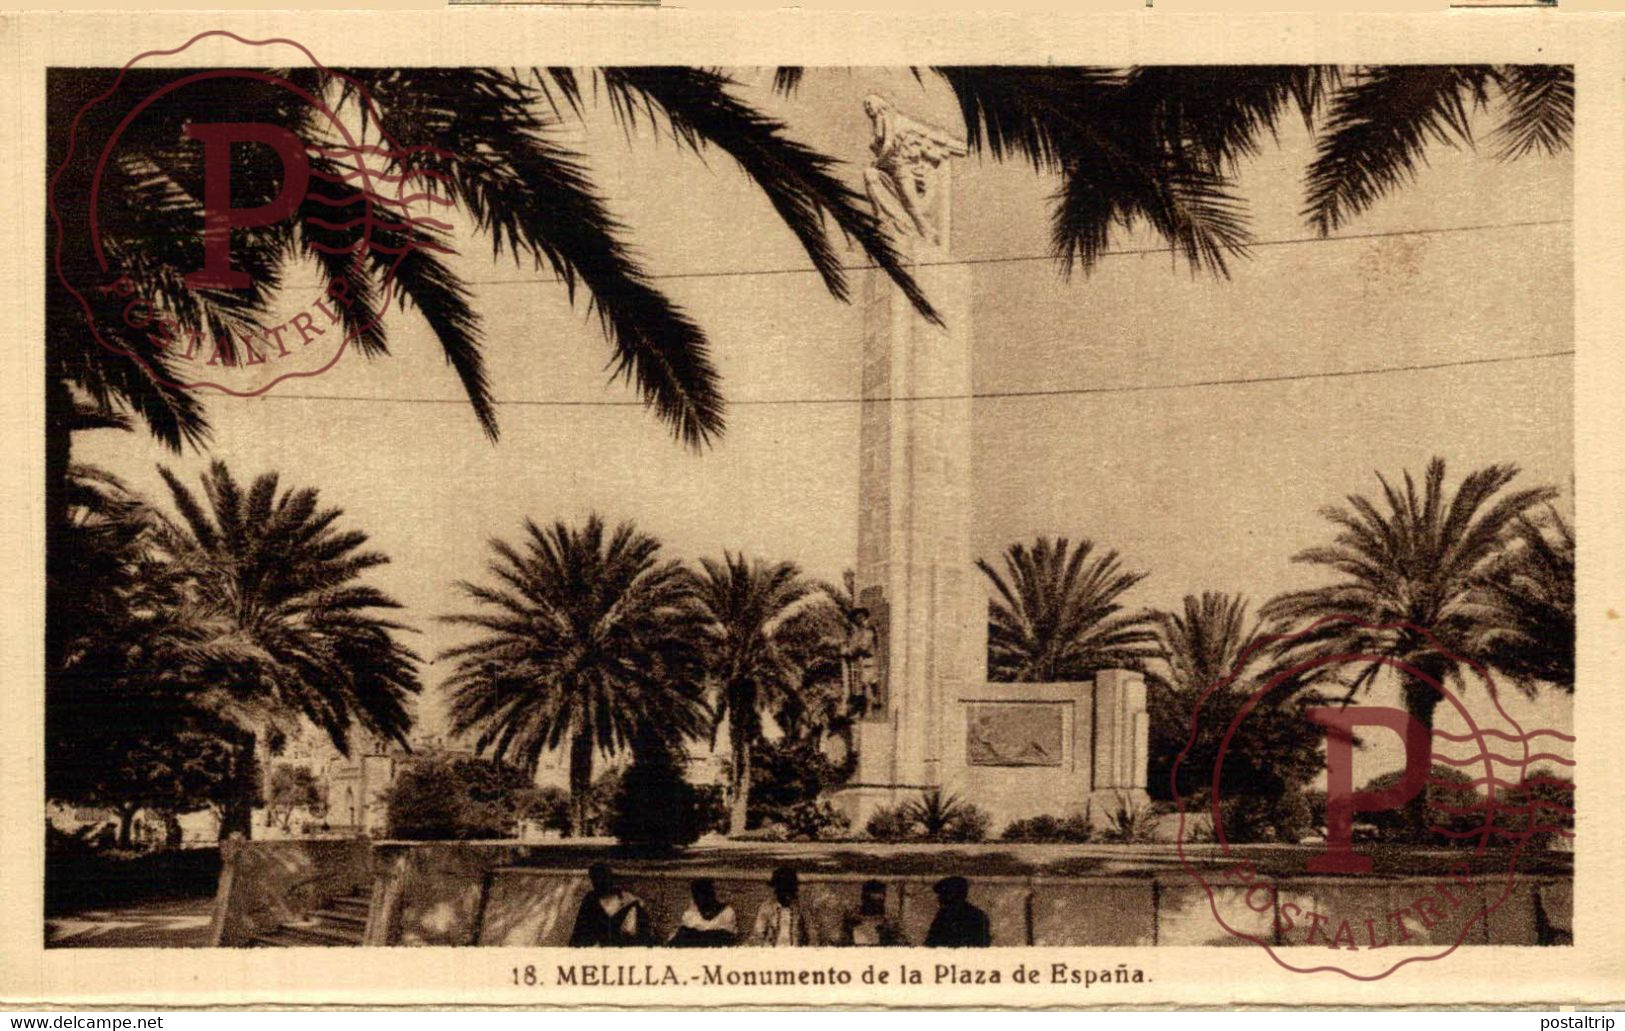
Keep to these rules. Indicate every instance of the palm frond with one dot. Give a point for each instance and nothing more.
(1540, 102)
(1378, 129)
(798, 181)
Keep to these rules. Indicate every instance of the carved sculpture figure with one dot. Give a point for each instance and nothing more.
(861, 659)
(907, 182)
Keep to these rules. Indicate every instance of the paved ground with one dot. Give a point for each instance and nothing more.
(173, 924)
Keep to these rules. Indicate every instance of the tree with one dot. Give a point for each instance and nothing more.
(1381, 121)
(274, 624)
(745, 604)
(1538, 810)
(291, 787)
(1411, 579)
(1450, 804)
(789, 772)
(1528, 632)
(119, 730)
(656, 807)
(487, 140)
(1056, 614)
(547, 806)
(1211, 659)
(811, 640)
(1155, 144)
(167, 770)
(457, 798)
(587, 640)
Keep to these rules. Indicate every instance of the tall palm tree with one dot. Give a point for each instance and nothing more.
(1156, 145)
(275, 624)
(1529, 628)
(746, 603)
(588, 640)
(1411, 573)
(1057, 614)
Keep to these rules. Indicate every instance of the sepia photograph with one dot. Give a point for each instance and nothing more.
(775, 507)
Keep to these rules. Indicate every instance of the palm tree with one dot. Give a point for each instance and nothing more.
(1211, 659)
(812, 639)
(1057, 614)
(275, 624)
(1529, 628)
(1411, 581)
(588, 641)
(496, 149)
(746, 603)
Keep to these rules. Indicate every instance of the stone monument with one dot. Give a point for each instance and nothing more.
(926, 716)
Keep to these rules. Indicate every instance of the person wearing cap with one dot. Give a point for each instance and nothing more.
(609, 915)
(958, 924)
(781, 922)
(868, 924)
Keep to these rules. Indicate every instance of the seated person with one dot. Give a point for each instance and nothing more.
(609, 915)
(958, 924)
(868, 923)
(781, 923)
(708, 922)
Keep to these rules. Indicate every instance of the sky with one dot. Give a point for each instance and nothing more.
(1209, 487)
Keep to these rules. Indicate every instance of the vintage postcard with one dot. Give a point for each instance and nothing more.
(540, 508)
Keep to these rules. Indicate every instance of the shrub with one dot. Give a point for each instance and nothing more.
(656, 806)
(1129, 823)
(456, 799)
(1451, 804)
(1287, 817)
(548, 806)
(1070, 829)
(601, 801)
(931, 817)
(1547, 800)
(787, 773)
(815, 821)
(969, 824)
(890, 823)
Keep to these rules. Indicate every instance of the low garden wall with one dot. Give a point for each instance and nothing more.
(506, 893)
(264, 884)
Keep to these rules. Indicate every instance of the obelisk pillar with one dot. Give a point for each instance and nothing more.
(914, 533)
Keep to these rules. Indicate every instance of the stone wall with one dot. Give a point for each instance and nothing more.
(470, 893)
(264, 884)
